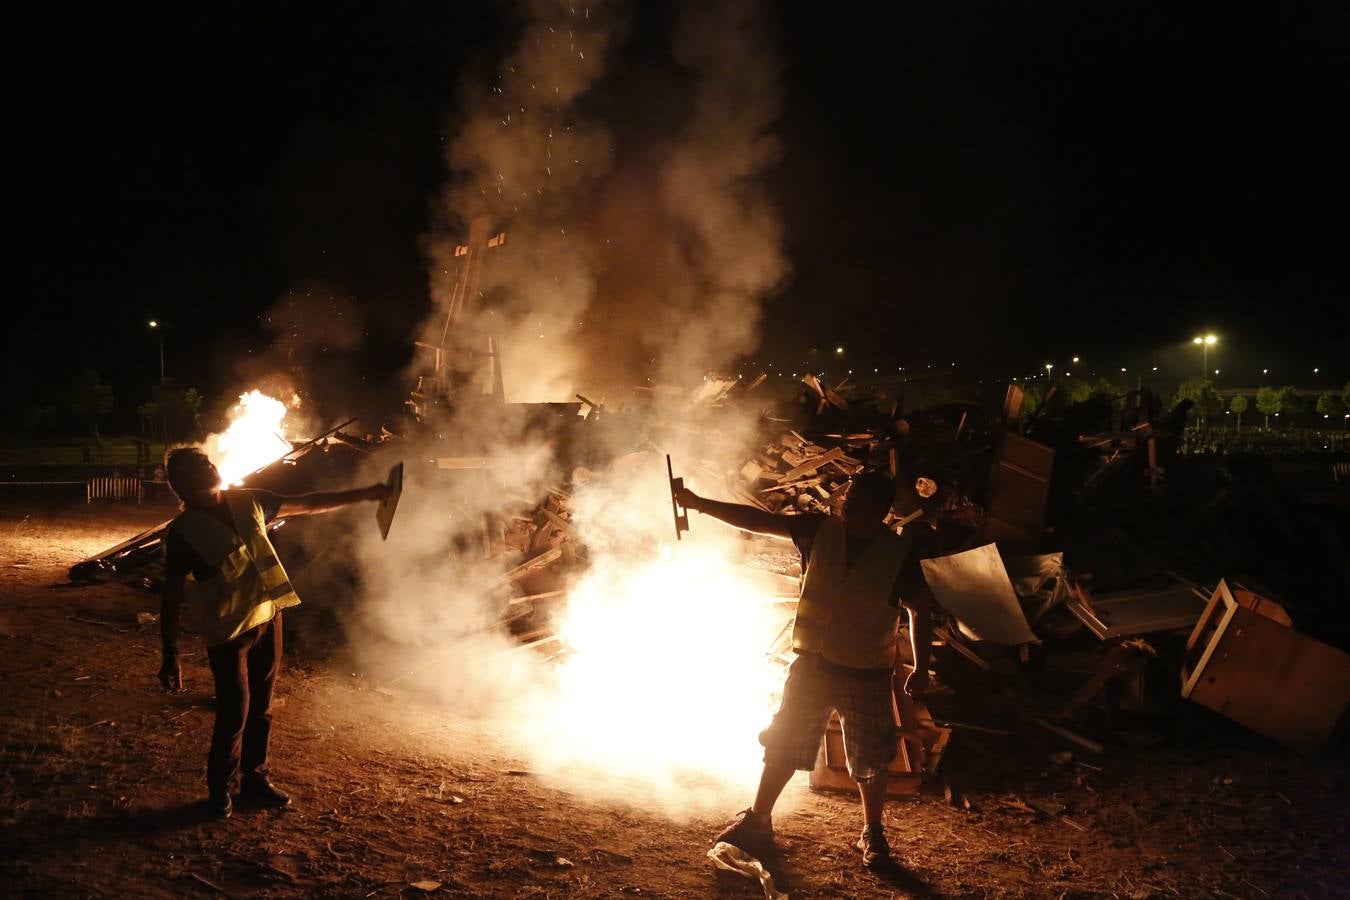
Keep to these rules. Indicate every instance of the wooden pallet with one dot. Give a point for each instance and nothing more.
(920, 746)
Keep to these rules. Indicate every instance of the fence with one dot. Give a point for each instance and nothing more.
(114, 488)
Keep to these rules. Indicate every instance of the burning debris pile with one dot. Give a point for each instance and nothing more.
(1053, 615)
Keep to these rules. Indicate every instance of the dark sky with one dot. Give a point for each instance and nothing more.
(997, 185)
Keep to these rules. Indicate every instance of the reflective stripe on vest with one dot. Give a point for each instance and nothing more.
(250, 584)
(845, 614)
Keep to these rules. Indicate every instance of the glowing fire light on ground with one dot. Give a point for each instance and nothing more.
(668, 676)
(256, 436)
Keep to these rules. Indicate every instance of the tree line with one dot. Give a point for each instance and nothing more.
(84, 403)
(1283, 402)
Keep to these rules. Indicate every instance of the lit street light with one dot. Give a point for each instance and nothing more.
(158, 329)
(1205, 343)
(159, 333)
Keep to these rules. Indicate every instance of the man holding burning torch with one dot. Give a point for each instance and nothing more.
(857, 575)
(219, 559)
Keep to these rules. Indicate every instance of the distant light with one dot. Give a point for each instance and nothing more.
(1211, 340)
(153, 323)
(1155, 368)
(1315, 371)
(1122, 368)
(1216, 371)
(1075, 359)
(1198, 340)
(1265, 371)
(838, 349)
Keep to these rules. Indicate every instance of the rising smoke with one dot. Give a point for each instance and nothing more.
(632, 260)
(636, 255)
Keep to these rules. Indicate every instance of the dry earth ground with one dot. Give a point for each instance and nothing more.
(100, 772)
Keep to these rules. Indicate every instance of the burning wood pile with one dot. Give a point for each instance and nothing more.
(1000, 494)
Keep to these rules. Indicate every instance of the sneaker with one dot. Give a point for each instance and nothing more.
(747, 832)
(876, 852)
(219, 803)
(259, 790)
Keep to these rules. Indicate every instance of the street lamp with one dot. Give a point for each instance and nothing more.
(1048, 367)
(158, 328)
(1205, 343)
(159, 333)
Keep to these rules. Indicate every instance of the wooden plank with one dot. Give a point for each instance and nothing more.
(464, 462)
(811, 465)
(531, 598)
(525, 568)
(1071, 736)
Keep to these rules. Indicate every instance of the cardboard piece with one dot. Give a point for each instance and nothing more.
(974, 586)
(384, 513)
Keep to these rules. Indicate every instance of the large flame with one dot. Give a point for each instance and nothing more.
(257, 435)
(668, 673)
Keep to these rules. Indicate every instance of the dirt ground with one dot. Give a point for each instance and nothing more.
(100, 777)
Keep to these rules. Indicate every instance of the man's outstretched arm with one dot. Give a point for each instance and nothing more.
(920, 642)
(737, 515)
(326, 501)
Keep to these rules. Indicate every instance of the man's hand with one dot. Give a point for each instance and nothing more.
(688, 499)
(171, 673)
(916, 683)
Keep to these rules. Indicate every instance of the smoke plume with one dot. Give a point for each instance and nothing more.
(635, 257)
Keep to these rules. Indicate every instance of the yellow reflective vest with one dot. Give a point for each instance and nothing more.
(845, 614)
(250, 584)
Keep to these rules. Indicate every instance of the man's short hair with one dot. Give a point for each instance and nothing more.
(180, 464)
(876, 484)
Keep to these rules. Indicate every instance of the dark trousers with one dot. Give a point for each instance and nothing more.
(245, 670)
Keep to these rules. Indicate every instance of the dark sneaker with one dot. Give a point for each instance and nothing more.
(256, 789)
(875, 851)
(750, 834)
(219, 803)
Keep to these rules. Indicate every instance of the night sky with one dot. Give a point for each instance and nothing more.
(997, 186)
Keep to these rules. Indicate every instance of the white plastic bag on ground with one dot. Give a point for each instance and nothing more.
(733, 859)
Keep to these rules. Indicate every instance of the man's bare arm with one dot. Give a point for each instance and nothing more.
(326, 501)
(920, 642)
(170, 605)
(738, 515)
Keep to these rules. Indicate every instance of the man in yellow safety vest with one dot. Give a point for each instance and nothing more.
(857, 575)
(219, 559)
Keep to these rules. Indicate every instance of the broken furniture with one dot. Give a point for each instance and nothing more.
(1129, 613)
(1243, 660)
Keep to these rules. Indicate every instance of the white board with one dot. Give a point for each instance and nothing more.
(974, 586)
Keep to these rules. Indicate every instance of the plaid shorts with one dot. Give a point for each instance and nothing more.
(863, 701)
